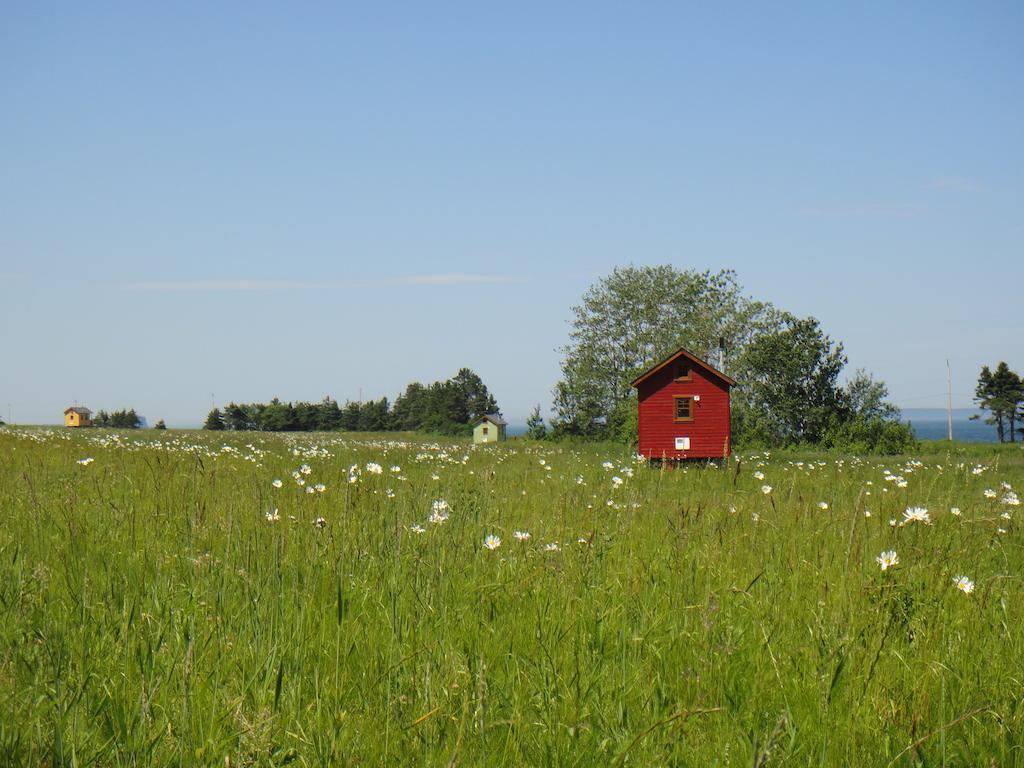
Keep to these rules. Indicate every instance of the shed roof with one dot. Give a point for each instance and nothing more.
(682, 352)
(78, 409)
(494, 418)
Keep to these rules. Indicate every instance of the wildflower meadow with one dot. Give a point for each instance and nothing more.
(248, 599)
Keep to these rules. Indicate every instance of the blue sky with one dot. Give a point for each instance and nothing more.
(243, 200)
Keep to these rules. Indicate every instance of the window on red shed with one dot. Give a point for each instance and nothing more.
(682, 371)
(683, 408)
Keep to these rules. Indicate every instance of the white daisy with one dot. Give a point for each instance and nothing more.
(964, 584)
(887, 559)
(916, 515)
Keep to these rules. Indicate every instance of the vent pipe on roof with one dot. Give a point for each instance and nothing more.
(721, 354)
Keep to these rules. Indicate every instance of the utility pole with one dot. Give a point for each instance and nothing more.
(949, 401)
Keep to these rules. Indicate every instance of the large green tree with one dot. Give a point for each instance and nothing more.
(791, 394)
(634, 317)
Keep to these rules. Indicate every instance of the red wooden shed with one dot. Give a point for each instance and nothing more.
(683, 405)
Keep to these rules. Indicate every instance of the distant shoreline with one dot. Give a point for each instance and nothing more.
(932, 424)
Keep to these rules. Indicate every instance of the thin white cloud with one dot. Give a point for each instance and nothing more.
(221, 286)
(862, 210)
(456, 279)
(954, 184)
(247, 285)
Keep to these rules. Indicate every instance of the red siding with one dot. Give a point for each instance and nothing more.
(709, 430)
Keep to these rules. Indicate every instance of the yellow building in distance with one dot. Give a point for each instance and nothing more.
(77, 416)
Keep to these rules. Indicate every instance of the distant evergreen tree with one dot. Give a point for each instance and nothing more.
(411, 408)
(1001, 393)
(444, 407)
(307, 417)
(328, 416)
(278, 417)
(160, 425)
(123, 419)
(350, 417)
(374, 416)
(478, 400)
(235, 417)
(535, 428)
(214, 420)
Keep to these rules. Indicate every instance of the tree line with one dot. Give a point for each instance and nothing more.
(444, 407)
(123, 419)
(1001, 393)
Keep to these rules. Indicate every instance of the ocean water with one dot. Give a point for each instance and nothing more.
(930, 424)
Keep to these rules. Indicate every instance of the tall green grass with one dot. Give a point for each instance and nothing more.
(151, 614)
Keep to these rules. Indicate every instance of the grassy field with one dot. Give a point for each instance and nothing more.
(163, 603)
